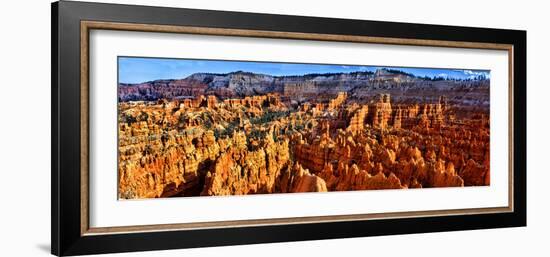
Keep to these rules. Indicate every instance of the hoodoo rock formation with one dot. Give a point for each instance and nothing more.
(209, 135)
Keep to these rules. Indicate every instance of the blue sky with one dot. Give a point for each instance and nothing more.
(136, 70)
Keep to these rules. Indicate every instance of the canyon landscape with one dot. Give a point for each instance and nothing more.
(238, 128)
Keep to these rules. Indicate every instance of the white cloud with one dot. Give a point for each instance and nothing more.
(475, 73)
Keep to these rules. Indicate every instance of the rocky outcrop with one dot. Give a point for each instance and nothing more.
(338, 101)
(239, 171)
(357, 121)
(273, 143)
(347, 178)
(299, 180)
(381, 112)
(475, 174)
(160, 89)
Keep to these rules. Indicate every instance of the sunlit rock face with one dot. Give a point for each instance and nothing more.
(294, 136)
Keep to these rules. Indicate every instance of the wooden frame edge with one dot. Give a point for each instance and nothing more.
(84, 128)
(86, 26)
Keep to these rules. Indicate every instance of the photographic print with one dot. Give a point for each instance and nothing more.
(189, 127)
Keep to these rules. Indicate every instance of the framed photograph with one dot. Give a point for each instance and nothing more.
(177, 128)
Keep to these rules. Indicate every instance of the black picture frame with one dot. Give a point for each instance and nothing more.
(66, 236)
